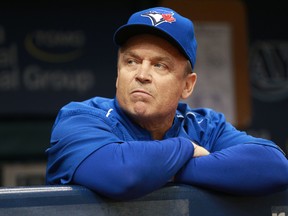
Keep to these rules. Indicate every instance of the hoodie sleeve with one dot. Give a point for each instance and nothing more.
(133, 169)
(238, 163)
(249, 169)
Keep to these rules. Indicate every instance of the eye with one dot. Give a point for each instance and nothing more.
(131, 62)
(160, 66)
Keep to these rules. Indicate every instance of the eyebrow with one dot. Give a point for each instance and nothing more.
(154, 58)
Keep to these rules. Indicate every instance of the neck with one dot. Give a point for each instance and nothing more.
(157, 135)
(157, 128)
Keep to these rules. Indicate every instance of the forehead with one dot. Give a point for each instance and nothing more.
(150, 42)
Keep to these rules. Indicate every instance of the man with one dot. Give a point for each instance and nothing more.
(133, 144)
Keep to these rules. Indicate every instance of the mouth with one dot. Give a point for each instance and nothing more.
(140, 92)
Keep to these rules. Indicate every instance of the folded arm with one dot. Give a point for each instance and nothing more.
(248, 169)
(133, 169)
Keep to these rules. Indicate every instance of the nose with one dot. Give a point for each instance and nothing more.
(144, 73)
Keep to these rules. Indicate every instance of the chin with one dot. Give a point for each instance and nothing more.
(139, 112)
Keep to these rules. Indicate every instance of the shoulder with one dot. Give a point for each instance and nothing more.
(95, 102)
(92, 106)
(97, 108)
(200, 114)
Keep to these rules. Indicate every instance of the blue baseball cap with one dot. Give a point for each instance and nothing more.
(165, 23)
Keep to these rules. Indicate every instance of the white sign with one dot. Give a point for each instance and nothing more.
(214, 67)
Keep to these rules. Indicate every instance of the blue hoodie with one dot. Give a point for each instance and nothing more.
(93, 143)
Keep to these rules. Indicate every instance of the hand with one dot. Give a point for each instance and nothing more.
(199, 151)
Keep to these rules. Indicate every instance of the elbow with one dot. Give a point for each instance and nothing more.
(275, 171)
(280, 178)
(276, 178)
(128, 186)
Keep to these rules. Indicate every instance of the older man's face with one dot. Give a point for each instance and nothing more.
(151, 78)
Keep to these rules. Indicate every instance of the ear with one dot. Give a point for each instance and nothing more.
(117, 82)
(189, 85)
(117, 76)
(118, 67)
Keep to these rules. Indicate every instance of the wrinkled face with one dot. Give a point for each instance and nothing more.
(152, 78)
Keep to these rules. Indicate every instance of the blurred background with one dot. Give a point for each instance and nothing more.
(52, 53)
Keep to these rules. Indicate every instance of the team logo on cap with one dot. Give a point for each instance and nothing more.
(158, 18)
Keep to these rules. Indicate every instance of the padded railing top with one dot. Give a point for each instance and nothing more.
(171, 200)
